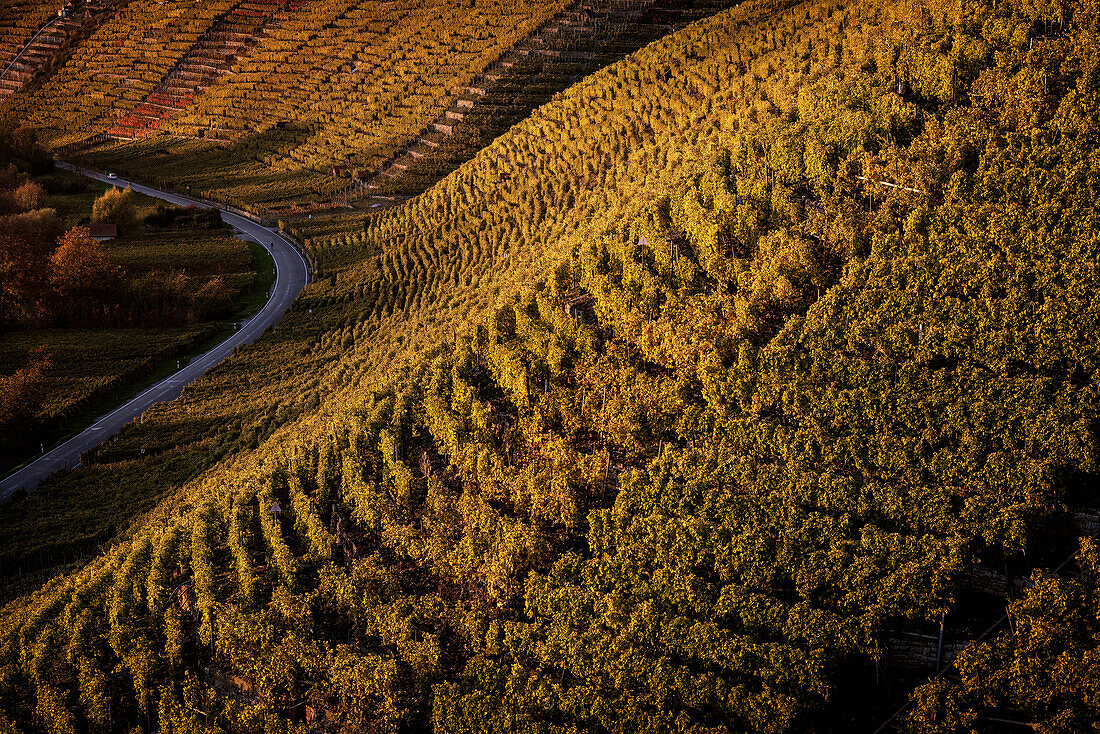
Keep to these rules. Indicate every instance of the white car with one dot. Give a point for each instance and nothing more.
(112, 176)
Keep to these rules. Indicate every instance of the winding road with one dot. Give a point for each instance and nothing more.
(291, 275)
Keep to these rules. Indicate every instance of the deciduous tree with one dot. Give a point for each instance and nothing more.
(80, 269)
(116, 206)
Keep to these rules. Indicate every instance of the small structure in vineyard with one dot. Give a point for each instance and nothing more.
(581, 307)
(103, 232)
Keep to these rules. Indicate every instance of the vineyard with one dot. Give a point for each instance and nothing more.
(285, 91)
(294, 138)
(212, 57)
(113, 71)
(20, 23)
(580, 39)
(750, 384)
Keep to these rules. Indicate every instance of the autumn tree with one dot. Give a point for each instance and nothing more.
(29, 196)
(116, 206)
(25, 244)
(80, 271)
(22, 392)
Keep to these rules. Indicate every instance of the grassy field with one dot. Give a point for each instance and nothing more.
(93, 369)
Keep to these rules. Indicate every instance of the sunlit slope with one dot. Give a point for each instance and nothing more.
(397, 97)
(113, 70)
(19, 21)
(677, 408)
(299, 86)
(365, 77)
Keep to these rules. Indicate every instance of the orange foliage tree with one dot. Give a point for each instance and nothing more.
(22, 392)
(80, 273)
(29, 196)
(25, 243)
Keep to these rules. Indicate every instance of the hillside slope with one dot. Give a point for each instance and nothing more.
(340, 92)
(699, 401)
(290, 87)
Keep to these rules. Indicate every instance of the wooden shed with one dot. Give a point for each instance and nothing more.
(103, 232)
(581, 307)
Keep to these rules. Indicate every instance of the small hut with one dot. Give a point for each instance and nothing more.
(103, 232)
(581, 307)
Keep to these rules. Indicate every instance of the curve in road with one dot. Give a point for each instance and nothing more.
(291, 275)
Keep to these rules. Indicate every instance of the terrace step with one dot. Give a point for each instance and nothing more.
(546, 61)
(212, 56)
(31, 54)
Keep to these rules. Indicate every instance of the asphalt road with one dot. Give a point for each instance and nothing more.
(291, 275)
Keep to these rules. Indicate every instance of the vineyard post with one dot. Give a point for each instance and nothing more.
(939, 646)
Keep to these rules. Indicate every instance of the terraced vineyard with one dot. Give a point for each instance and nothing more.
(750, 384)
(212, 57)
(585, 36)
(33, 35)
(292, 107)
(307, 158)
(333, 83)
(109, 74)
(19, 22)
